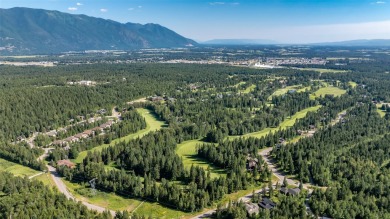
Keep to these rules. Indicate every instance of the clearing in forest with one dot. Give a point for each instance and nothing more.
(16, 169)
(352, 84)
(152, 122)
(330, 90)
(323, 70)
(115, 202)
(282, 91)
(187, 151)
(380, 111)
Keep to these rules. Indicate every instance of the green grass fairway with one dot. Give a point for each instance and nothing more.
(115, 202)
(240, 83)
(153, 124)
(187, 151)
(286, 123)
(323, 70)
(16, 169)
(248, 89)
(103, 199)
(286, 89)
(380, 111)
(282, 91)
(46, 179)
(328, 90)
(352, 84)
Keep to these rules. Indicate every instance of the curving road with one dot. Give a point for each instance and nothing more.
(62, 188)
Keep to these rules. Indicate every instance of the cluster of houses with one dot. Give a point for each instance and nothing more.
(292, 61)
(86, 134)
(266, 203)
(307, 133)
(83, 83)
(160, 98)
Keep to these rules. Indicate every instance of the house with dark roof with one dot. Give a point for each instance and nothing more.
(267, 203)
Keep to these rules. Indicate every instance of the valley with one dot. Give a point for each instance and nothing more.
(174, 140)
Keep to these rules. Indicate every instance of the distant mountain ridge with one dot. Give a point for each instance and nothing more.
(31, 31)
(361, 42)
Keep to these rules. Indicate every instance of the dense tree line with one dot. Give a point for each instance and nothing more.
(23, 198)
(21, 153)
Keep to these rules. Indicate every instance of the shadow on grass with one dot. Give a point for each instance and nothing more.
(198, 161)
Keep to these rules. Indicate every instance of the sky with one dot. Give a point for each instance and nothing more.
(284, 21)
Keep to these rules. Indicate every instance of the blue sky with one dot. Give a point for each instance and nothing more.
(285, 21)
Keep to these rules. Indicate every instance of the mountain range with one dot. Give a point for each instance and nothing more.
(38, 31)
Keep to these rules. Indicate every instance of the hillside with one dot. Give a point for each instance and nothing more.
(32, 31)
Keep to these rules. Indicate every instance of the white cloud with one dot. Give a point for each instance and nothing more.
(235, 3)
(72, 9)
(140, 6)
(380, 2)
(130, 9)
(79, 4)
(103, 10)
(217, 3)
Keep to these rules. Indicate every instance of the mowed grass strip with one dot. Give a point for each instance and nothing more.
(187, 151)
(323, 70)
(330, 90)
(380, 111)
(352, 84)
(286, 123)
(248, 89)
(153, 124)
(282, 91)
(102, 199)
(115, 202)
(46, 179)
(16, 169)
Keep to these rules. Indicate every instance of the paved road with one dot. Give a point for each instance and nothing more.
(62, 188)
(265, 154)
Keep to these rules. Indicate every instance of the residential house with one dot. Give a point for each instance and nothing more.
(267, 203)
(89, 133)
(251, 163)
(252, 208)
(292, 192)
(97, 129)
(67, 163)
(106, 125)
(52, 133)
(81, 135)
(71, 139)
(59, 142)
